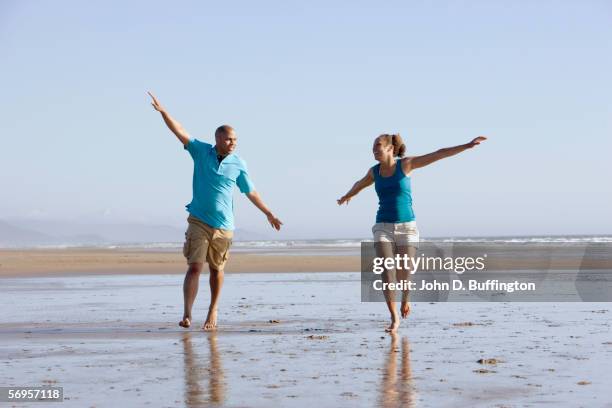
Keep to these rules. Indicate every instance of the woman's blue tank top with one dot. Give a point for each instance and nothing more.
(394, 195)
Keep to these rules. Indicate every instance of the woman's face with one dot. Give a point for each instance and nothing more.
(381, 149)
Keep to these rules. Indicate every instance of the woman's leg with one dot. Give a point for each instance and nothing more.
(406, 237)
(404, 274)
(386, 250)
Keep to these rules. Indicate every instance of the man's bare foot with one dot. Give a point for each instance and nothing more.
(395, 322)
(211, 320)
(405, 309)
(186, 322)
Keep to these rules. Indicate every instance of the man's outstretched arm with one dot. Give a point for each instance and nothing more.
(172, 124)
(258, 202)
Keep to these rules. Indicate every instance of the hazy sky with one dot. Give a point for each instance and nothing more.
(308, 85)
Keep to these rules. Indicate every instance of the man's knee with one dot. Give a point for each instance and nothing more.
(195, 268)
(215, 272)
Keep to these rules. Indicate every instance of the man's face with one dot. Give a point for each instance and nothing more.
(226, 143)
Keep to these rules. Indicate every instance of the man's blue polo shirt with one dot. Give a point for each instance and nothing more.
(213, 184)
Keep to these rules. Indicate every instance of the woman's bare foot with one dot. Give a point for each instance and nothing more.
(405, 309)
(186, 322)
(395, 322)
(211, 320)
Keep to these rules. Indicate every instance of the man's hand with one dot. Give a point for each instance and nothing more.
(156, 105)
(258, 202)
(275, 222)
(172, 124)
(476, 141)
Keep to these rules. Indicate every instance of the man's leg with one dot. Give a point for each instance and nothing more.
(190, 291)
(218, 253)
(216, 283)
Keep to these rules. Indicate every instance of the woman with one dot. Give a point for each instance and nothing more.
(395, 231)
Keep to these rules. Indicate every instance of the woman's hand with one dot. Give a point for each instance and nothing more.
(366, 181)
(476, 141)
(344, 200)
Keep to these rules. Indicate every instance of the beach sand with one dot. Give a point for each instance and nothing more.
(102, 323)
(88, 261)
(65, 262)
(294, 339)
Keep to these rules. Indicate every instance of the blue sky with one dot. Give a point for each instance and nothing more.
(307, 87)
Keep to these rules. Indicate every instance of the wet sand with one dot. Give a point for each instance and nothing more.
(295, 340)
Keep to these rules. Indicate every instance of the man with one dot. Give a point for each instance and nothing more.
(211, 220)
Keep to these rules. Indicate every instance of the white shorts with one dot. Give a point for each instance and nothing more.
(401, 234)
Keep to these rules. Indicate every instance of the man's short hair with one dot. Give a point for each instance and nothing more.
(223, 130)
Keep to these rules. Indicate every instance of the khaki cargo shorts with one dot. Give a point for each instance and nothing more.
(205, 243)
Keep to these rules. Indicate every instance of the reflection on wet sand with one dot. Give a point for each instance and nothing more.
(397, 389)
(197, 372)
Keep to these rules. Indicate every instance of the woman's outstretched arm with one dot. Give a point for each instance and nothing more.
(367, 181)
(416, 162)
